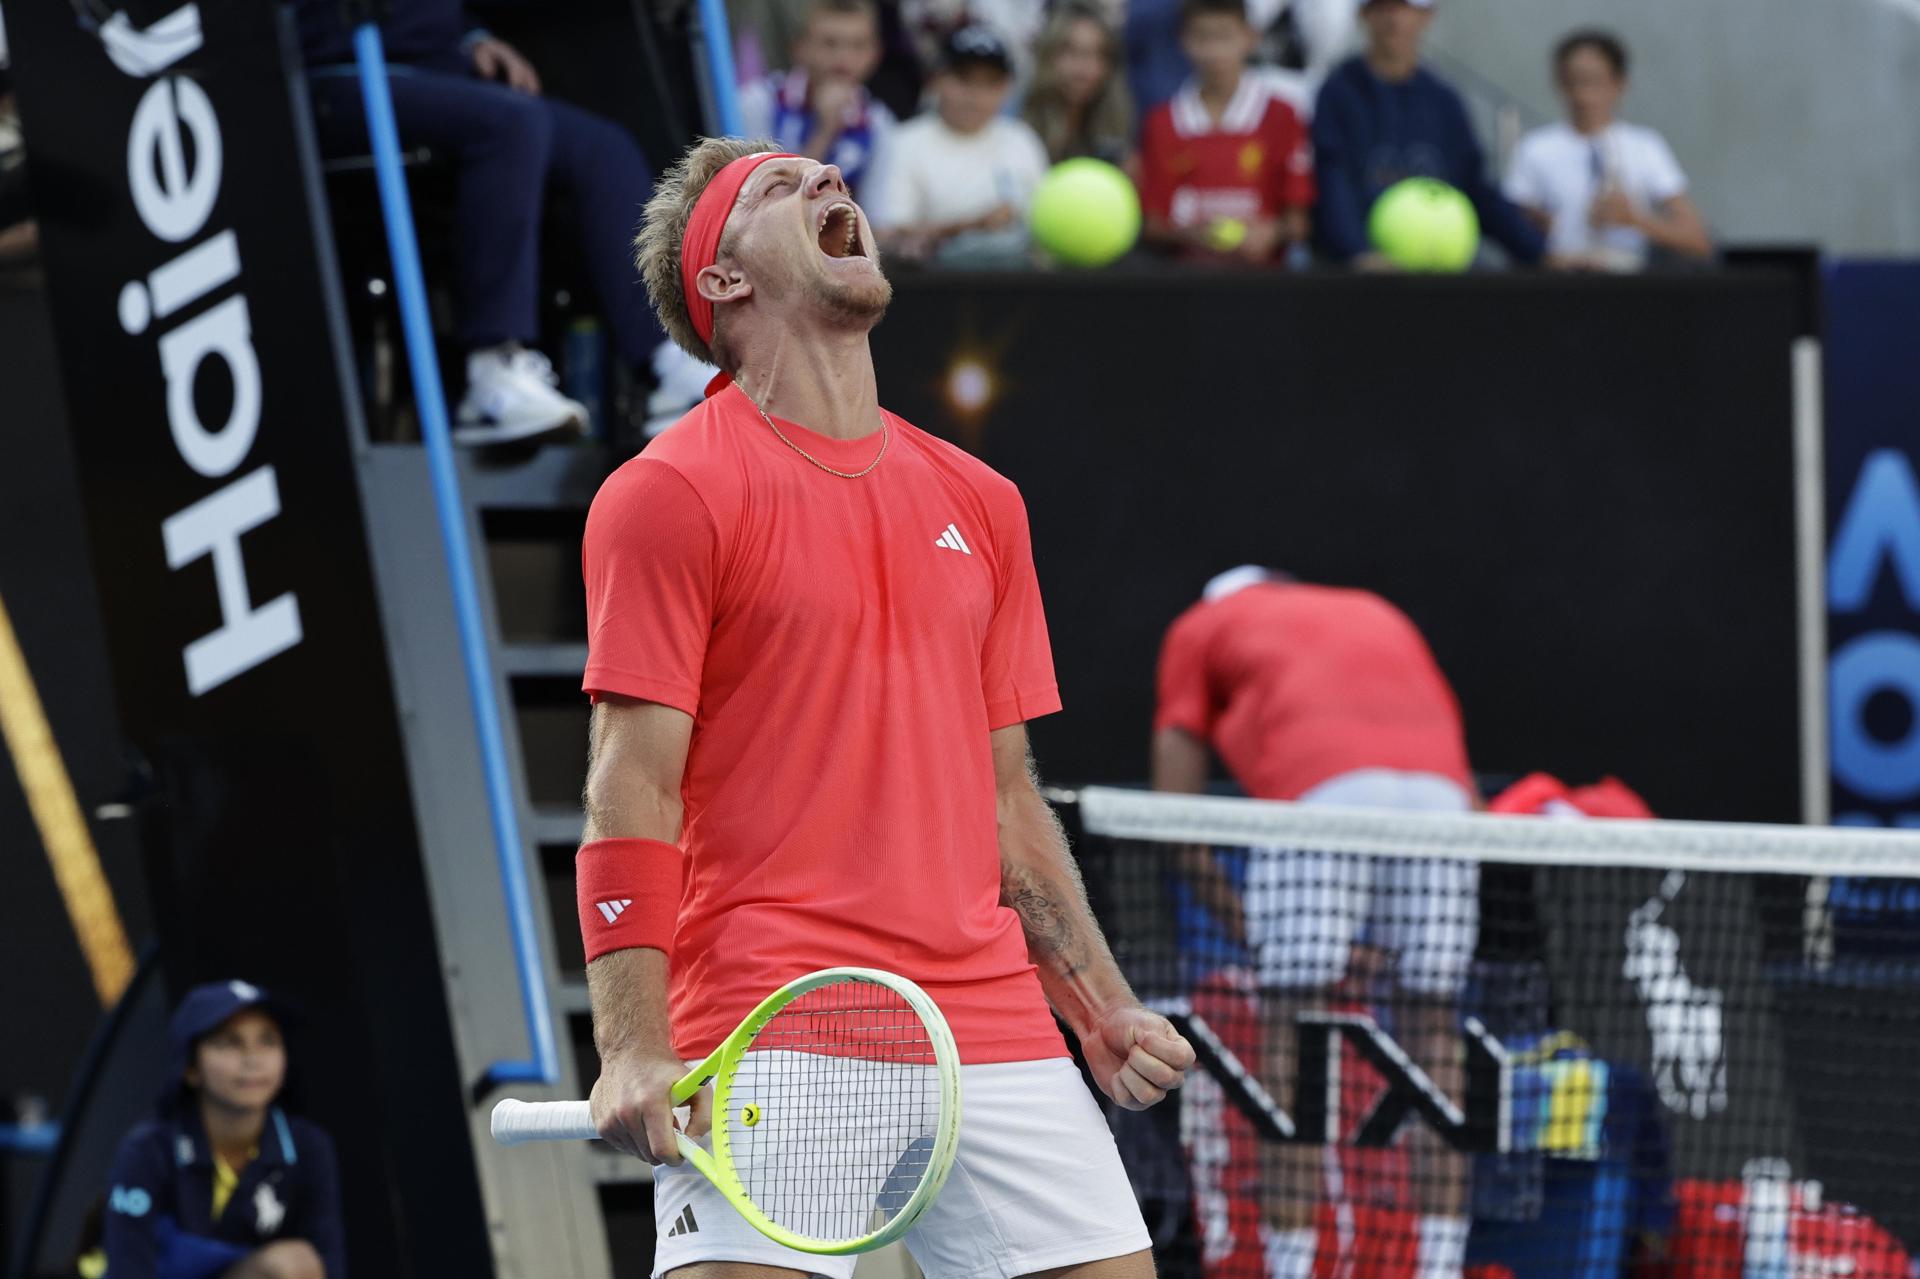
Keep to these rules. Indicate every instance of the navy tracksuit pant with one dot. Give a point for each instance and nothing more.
(506, 147)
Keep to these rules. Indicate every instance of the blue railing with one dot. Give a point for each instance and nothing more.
(724, 84)
(431, 401)
(29, 1139)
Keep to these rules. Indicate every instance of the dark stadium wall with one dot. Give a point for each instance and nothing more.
(47, 588)
(47, 591)
(192, 321)
(1582, 491)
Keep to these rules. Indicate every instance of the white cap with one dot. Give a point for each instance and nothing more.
(1235, 580)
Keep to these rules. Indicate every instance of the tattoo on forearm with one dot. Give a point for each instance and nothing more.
(1046, 925)
(1041, 884)
(1047, 920)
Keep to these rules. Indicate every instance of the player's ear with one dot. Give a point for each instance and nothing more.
(722, 284)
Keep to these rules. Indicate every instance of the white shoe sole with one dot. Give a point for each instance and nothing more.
(482, 433)
(471, 427)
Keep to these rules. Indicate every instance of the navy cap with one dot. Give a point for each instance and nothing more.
(978, 45)
(204, 1010)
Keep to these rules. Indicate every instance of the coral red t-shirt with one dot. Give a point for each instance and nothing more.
(844, 647)
(1295, 684)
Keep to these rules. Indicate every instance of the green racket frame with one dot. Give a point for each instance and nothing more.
(724, 1061)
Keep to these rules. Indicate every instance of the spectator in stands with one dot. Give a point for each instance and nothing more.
(1604, 191)
(475, 99)
(223, 1181)
(1301, 41)
(1225, 166)
(932, 23)
(1323, 695)
(1382, 117)
(766, 32)
(956, 184)
(821, 107)
(1079, 103)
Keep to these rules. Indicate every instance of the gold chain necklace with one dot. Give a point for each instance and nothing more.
(885, 439)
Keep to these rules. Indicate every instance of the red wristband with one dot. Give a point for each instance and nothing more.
(628, 891)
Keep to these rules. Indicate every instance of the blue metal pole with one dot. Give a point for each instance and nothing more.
(718, 35)
(431, 400)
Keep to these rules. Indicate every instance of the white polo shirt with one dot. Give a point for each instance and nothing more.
(1560, 172)
(929, 173)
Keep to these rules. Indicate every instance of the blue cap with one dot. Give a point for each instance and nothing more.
(205, 1009)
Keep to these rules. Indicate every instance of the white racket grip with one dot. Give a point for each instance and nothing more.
(517, 1121)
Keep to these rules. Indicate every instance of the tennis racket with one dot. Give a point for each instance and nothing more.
(836, 1111)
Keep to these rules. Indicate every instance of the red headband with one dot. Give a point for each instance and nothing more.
(702, 243)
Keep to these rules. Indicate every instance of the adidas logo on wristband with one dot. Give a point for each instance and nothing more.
(612, 909)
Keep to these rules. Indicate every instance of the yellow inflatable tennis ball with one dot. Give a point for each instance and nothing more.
(1226, 234)
(1422, 224)
(1085, 213)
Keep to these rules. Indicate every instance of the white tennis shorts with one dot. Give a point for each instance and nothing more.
(1037, 1183)
(1306, 909)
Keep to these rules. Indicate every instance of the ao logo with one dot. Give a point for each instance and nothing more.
(1880, 530)
(130, 1202)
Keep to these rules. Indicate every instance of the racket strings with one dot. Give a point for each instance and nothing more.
(835, 1110)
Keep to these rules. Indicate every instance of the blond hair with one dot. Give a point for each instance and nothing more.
(663, 229)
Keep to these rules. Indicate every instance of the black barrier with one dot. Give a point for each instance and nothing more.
(47, 590)
(1581, 490)
(202, 371)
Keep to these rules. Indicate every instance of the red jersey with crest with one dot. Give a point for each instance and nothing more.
(1255, 162)
(844, 647)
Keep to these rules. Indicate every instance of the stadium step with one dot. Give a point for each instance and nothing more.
(523, 518)
(556, 660)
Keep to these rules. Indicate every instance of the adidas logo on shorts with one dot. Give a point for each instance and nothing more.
(685, 1225)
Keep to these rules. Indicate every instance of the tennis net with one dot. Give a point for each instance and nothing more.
(1527, 1046)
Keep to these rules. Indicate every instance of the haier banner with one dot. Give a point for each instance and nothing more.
(196, 322)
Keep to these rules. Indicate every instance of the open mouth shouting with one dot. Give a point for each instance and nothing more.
(839, 231)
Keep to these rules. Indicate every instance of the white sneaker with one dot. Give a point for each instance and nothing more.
(680, 383)
(512, 395)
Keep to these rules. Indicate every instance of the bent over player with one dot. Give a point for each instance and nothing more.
(1326, 695)
(815, 637)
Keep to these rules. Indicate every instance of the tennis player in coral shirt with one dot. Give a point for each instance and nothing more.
(815, 637)
(1326, 695)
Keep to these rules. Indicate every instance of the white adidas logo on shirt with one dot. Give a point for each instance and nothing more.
(952, 541)
(612, 909)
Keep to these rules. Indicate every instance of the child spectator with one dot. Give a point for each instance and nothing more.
(820, 108)
(1382, 117)
(1079, 104)
(1225, 166)
(222, 1181)
(1605, 191)
(957, 184)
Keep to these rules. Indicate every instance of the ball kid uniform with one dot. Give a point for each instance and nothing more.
(845, 647)
(1255, 163)
(1330, 696)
